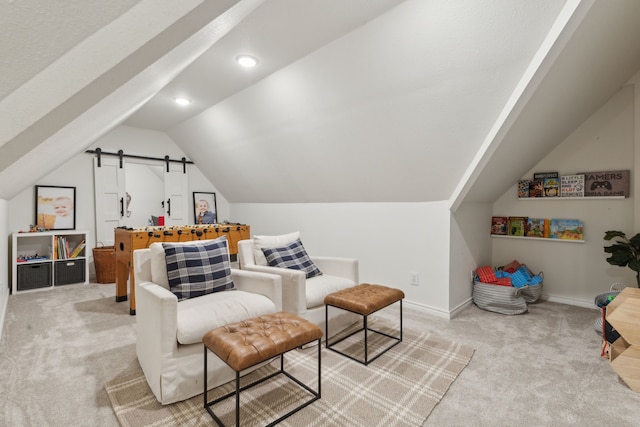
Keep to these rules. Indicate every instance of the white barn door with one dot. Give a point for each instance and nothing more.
(110, 193)
(176, 191)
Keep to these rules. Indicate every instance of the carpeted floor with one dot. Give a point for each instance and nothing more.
(400, 388)
(59, 347)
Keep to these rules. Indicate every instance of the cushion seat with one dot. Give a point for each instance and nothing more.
(197, 316)
(320, 286)
(303, 289)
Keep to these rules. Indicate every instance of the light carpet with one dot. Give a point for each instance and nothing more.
(400, 388)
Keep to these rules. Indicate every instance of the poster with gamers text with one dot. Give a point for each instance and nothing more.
(606, 184)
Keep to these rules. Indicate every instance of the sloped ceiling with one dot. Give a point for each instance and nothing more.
(353, 101)
(595, 55)
(395, 110)
(98, 82)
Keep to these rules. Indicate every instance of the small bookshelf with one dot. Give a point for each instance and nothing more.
(540, 239)
(47, 259)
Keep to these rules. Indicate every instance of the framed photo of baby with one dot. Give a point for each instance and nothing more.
(55, 207)
(204, 205)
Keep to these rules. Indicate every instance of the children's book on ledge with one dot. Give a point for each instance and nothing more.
(566, 229)
(517, 225)
(538, 227)
(572, 185)
(499, 225)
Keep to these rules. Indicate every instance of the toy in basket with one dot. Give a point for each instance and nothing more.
(507, 289)
(602, 327)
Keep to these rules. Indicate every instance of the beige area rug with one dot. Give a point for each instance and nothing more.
(400, 388)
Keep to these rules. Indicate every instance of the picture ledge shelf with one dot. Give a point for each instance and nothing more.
(542, 239)
(571, 198)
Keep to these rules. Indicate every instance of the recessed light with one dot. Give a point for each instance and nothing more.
(247, 61)
(182, 101)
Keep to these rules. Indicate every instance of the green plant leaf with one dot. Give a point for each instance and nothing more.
(608, 235)
(635, 241)
(624, 252)
(634, 264)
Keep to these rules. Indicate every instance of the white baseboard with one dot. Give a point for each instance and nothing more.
(4, 302)
(428, 309)
(460, 308)
(434, 311)
(570, 301)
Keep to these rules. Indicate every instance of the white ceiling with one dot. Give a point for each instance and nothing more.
(278, 32)
(36, 33)
(356, 100)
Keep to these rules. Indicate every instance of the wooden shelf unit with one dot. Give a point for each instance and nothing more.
(47, 271)
(623, 313)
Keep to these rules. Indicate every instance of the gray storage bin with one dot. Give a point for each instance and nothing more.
(34, 276)
(69, 271)
(499, 299)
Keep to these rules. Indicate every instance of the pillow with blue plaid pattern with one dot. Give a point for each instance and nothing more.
(291, 256)
(198, 269)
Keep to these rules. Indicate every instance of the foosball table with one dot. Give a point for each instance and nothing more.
(128, 240)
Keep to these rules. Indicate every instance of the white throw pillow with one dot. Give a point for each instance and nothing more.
(260, 242)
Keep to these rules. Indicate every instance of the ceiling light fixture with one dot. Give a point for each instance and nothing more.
(182, 101)
(247, 61)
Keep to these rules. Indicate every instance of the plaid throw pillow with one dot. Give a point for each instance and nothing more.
(291, 256)
(198, 269)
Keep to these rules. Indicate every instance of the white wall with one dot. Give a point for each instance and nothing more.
(78, 172)
(576, 272)
(145, 186)
(470, 247)
(390, 240)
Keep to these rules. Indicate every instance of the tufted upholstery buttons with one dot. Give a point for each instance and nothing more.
(247, 343)
(365, 298)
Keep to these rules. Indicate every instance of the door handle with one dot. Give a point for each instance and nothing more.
(168, 207)
(121, 207)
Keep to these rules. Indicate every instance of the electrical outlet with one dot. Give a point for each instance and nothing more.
(414, 278)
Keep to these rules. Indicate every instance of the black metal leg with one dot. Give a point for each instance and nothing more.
(326, 325)
(237, 399)
(319, 367)
(205, 376)
(315, 394)
(365, 328)
(366, 343)
(400, 320)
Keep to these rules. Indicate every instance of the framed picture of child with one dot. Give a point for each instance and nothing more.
(55, 207)
(204, 205)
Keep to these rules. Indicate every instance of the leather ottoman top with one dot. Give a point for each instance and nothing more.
(365, 298)
(244, 344)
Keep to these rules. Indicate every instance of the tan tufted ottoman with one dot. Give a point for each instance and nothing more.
(245, 344)
(363, 299)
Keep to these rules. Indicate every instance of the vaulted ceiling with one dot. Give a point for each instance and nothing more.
(351, 101)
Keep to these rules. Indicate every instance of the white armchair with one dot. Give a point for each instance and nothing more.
(302, 296)
(169, 333)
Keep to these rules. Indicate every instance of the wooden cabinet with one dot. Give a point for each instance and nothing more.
(128, 240)
(46, 259)
(623, 313)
